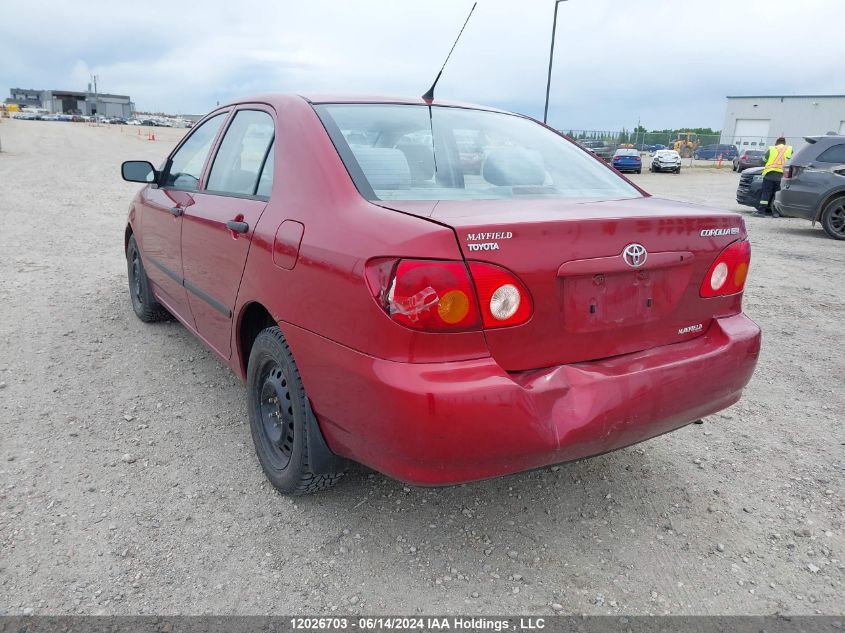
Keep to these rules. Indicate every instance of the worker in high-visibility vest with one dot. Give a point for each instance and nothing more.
(773, 162)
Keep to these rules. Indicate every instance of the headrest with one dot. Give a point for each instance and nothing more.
(384, 167)
(420, 159)
(513, 167)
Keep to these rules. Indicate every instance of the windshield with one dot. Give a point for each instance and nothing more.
(418, 152)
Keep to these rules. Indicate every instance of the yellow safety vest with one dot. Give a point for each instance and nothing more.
(778, 155)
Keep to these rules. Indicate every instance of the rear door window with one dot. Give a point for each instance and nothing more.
(835, 154)
(187, 163)
(242, 154)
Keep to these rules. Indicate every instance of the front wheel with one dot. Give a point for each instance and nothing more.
(833, 218)
(143, 302)
(278, 417)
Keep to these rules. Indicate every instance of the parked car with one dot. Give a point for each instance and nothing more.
(750, 187)
(656, 147)
(666, 160)
(713, 152)
(627, 160)
(440, 327)
(748, 158)
(813, 185)
(599, 148)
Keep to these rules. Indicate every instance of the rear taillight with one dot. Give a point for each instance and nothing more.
(787, 172)
(637, 158)
(728, 273)
(440, 296)
(435, 296)
(504, 299)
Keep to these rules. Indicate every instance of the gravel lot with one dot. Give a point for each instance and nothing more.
(128, 482)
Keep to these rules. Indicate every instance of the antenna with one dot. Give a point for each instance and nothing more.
(429, 96)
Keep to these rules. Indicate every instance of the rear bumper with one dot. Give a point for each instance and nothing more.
(793, 204)
(446, 423)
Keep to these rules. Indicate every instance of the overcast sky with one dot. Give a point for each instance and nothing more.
(670, 62)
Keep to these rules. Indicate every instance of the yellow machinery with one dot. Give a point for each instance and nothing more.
(686, 143)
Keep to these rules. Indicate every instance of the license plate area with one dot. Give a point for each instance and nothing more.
(602, 301)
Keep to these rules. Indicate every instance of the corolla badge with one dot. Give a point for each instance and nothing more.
(635, 255)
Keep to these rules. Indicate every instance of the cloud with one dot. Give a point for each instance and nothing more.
(669, 63)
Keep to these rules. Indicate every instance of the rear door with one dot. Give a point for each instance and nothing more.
(162, 207)
(219, 226)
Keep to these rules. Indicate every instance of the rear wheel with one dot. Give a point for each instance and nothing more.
(640, 170)
(833, 218)
(278, 417)
(143, 302)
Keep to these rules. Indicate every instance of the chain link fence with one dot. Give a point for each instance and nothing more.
(697, 147)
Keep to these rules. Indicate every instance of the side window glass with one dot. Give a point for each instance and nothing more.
(835, 154)
(265, 182)
(241, 155)
(186, 164)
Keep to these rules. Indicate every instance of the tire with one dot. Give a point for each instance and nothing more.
(278, 417)
(678, 170)
(640, 170)
(833, 218)
(143, 302)
(735, 167)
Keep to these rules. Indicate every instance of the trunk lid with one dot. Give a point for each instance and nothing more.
(588, 302)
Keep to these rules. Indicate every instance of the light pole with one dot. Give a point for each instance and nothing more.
(551, 59)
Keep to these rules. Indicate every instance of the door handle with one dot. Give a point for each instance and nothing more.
(176, 211)
(237, 227)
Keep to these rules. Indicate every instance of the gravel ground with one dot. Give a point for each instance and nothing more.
(128, 482)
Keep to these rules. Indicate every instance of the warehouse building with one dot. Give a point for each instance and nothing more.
(755, 122)
(70, 102)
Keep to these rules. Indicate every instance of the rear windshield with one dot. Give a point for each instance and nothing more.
(419, 152)
(627, 152)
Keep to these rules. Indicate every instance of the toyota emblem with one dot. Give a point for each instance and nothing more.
(635, 255)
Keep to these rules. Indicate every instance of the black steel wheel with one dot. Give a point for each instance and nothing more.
(833, 218)
(276, 412)
(278, 417)
(144, 303)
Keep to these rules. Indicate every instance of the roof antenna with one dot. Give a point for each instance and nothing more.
(429, 96)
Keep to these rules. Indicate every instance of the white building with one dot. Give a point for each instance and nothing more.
(755, 122)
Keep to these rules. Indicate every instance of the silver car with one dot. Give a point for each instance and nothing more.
(666, 160)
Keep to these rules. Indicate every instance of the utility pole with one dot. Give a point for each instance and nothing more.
(95, 78)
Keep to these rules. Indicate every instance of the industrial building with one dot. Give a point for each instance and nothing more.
(755, 122)
(70, 102)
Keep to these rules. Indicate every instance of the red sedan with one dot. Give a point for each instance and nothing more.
(387, 305)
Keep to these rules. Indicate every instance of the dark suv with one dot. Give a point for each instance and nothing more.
(813, 185)
(712, 152)
(599, 148)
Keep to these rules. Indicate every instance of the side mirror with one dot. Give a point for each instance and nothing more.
(138, 171)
